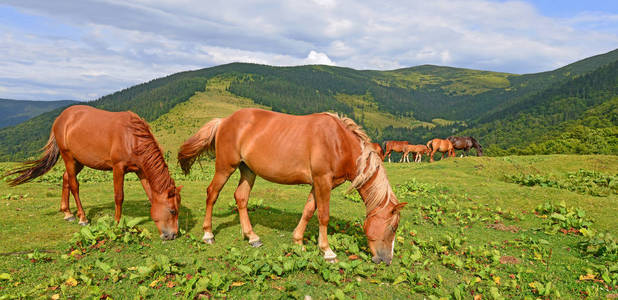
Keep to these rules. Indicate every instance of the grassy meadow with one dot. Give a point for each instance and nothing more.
(475, 228)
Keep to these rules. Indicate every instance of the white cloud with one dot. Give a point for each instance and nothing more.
(117, 44)
(317, 58)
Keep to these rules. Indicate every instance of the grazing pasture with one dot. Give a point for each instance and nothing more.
(492, 226)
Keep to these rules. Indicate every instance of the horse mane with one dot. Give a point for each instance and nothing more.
(369, 165)
(150, 155)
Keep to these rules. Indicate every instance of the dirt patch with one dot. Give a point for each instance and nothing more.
(509, 260)
(502, 227)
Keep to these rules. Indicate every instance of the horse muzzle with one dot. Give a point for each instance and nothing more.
(167, 235)
(383, 256)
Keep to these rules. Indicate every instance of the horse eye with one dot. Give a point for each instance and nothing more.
(173, 212)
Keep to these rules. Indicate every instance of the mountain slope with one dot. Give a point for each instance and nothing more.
(13, 112)
(412, 104)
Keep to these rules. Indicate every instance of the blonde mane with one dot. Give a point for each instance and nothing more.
(369, 165)
(150, 155)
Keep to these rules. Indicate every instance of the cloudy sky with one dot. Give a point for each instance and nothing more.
(83, 49)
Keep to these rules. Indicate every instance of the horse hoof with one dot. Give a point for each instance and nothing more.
(83, 223)
(332, 260)
(70, 219)
(209, 241)
(256, 244)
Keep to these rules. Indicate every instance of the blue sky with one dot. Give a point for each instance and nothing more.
(82, 49)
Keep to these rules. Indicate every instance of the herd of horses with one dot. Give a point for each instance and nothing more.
(445, 146)
(322, 150)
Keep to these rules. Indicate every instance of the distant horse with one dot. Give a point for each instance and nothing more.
(397, 146)
(440, 145)
(102, 140)
(378, 149)
(465, 143)
(323, 150)
(417, 151)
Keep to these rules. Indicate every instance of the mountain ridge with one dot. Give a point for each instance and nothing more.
(426, 100)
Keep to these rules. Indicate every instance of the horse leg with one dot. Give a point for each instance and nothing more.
(64, 203)
(212, 193)
(72, 169)
(145, 185)
(433, 151)
(299, 232)
(322, 187)
(118, 171)
(388, 153)
(247, 178)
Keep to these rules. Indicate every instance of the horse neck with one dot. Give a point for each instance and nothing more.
(154, 169)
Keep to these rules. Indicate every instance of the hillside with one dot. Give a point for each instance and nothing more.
(506, 112)
(13, 112)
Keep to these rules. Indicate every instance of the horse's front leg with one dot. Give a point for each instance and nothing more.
(308, 212)
(322, 187)
(118, 171)
(212, 193)
(145, 185)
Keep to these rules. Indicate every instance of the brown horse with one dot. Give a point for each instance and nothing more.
(417, 150)
(444, 146)
(322, 150)
(465, 143)
(377, 149)
(397, 146)
(102, 140)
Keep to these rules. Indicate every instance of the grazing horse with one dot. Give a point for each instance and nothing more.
(397, 146)
(417, 151)
(102, 140)
(378, 149)
(441, 145)
(322, 150)
(465, 143)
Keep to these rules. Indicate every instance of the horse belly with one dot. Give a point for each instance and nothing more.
(279, 169)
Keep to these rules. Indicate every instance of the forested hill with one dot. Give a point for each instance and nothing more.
(13, 112)
(412, 104)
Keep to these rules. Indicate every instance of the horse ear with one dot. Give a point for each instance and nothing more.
(399, 206)
(178, 188)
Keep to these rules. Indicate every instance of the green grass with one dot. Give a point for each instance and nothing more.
(447, 244)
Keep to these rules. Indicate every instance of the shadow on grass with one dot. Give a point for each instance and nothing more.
(276, 219)
(132, 209)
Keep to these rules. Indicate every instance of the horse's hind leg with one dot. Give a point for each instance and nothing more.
(72, 169)
(247, 178)
(218, 181)
(308, 212)
(64, 203)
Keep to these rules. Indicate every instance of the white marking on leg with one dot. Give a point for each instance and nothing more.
(208, 236)
(393, 247)
(329, 254)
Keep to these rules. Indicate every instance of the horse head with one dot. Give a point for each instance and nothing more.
(164, 211)
(380, 228)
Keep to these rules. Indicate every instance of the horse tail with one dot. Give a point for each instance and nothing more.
(32, 169)
(197, 144)
(429, 145)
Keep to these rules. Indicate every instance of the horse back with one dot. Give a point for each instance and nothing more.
(94, 137)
